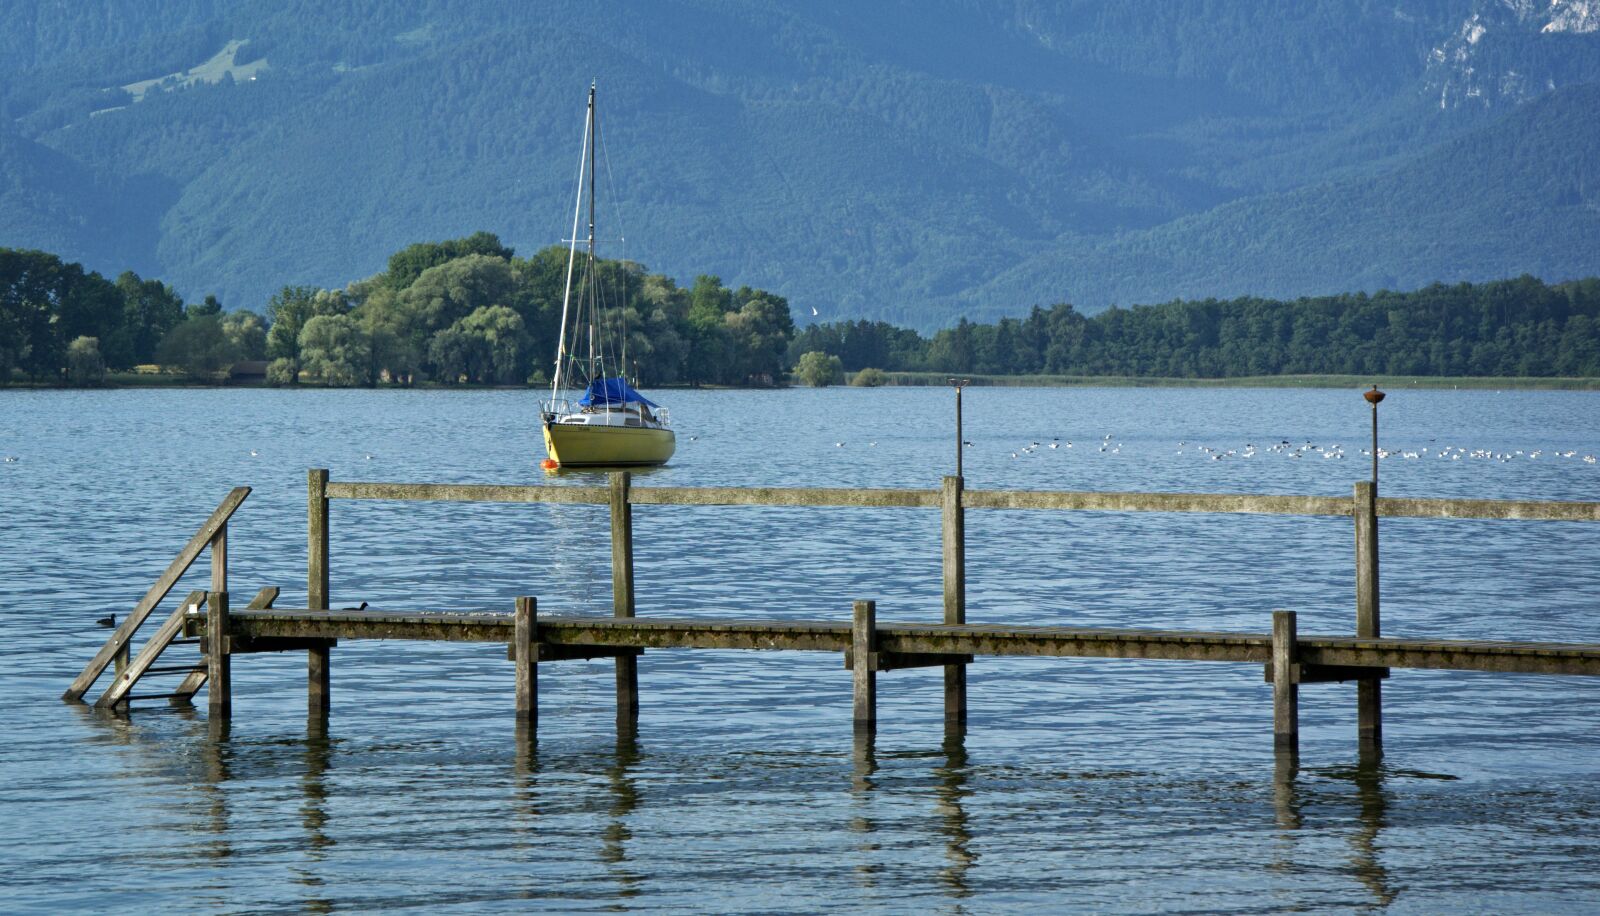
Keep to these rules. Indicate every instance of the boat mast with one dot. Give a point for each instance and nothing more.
(584, 158)
(594, 275)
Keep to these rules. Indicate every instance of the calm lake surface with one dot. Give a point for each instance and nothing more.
(1102, 785)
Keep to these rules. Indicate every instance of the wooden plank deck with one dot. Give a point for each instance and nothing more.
(919, 639)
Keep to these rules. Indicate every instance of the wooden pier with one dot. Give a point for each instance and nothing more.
(1289, 658)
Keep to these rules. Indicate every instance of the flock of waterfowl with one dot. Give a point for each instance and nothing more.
(1308, 449)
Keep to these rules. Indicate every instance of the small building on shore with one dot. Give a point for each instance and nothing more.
(248, 372)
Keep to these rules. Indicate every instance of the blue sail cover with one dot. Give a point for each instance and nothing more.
(610, 392)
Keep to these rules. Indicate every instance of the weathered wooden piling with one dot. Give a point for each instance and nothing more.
(954, 540)
(218, 664)
(317, 538)
(319, 680)
(864, 650)
(218, 547)
(622, 594)
(525, 652)
(319, 659)
(1285, 683)
(1369, 690)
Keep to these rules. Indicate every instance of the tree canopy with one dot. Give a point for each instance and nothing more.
(485, 316)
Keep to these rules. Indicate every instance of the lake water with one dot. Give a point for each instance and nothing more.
(1103, 785)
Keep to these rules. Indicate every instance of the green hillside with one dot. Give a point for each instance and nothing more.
(1519, 196)
(910, 162)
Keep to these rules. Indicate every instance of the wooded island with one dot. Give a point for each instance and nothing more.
(469, 311)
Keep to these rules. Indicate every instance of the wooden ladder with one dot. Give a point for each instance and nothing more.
(213, 535)
(175, 630)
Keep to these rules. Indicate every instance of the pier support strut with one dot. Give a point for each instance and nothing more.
(524, 649)
(218, 670)
(1285, 684)
(318, 658)
(864, 649)
(622, 597)
(1369, 690)
(318, 700)
(955, 596)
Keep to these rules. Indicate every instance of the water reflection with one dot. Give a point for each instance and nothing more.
(863, 761)
(525, 769)
(1371, 798)
(951, 791)
(314, 808)
(1374, 801)
(1285, 800)
(863, 766)
(624, 799)
(313, 785)
(216, 768)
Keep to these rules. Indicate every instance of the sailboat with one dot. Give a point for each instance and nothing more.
(611, 424)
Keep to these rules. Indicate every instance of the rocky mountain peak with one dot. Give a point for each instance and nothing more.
(1497, 55)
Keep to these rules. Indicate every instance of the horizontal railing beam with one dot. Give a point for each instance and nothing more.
(1219, 503)
(468, 492)
(1526, 510)
(1156, 502)
(783, 496)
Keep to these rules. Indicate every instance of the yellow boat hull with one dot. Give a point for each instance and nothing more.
(573, 445)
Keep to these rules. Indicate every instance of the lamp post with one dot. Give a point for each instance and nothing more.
(1373, 397)
(958, 384)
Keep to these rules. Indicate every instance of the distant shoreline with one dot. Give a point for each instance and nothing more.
(120, 381)
(1254, 381)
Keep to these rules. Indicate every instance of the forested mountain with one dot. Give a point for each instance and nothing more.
(905, 161)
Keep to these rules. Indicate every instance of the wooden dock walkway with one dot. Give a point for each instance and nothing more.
(1363, 657)
(567, 636)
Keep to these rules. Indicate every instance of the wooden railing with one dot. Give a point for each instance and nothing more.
(867, 646)
(213, 535)
(952, 499)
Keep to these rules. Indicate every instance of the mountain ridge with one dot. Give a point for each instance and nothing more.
(909, 162)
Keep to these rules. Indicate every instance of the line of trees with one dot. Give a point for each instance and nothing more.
(1520, 327)
(59, 322)
(470, 311)
(459, 311)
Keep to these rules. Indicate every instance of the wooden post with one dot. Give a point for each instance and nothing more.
(622, 596)
(219, 559)
(318, 682)
(318, 659)
(1285, 686)
(317, 538)
(955, 596)
(526, 649)
(218, 674)
(864, 648)
(219, 584)
(1369, 690)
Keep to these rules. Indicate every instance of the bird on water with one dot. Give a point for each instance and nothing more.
(108, 621)
(361, 608)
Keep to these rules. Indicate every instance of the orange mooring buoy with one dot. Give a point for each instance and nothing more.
(549, 464)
